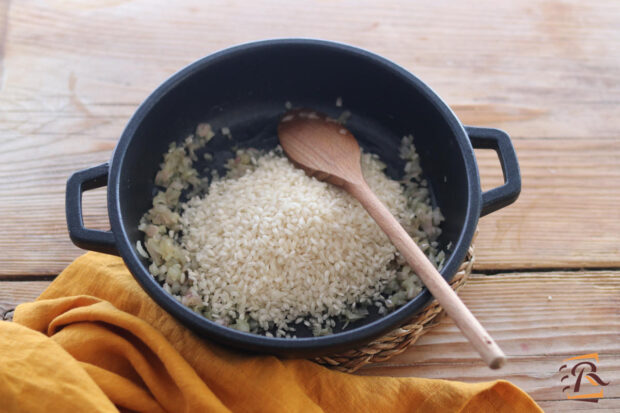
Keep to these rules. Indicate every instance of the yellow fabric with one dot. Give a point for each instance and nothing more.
(95, 342)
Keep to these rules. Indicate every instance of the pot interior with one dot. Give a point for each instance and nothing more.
(246, 90)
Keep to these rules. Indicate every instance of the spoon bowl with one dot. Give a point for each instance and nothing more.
(307, 138)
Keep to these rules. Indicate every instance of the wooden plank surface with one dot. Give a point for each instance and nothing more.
(13, 293)
(568, 214)
(538, 318)
(547, 72)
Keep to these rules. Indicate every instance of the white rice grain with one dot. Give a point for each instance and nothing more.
(267, 247)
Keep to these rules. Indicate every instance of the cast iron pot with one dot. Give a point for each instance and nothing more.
(245, 88)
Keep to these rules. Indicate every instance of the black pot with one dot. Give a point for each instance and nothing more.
(245, 88)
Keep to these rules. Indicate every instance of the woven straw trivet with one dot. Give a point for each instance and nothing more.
(398, 340)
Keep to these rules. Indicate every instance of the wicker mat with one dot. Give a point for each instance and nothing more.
(397, 341)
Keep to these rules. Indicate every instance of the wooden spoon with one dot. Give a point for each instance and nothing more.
(328, 151)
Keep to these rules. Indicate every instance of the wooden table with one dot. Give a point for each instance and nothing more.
(547, 273)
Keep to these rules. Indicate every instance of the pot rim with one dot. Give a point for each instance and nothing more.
(254, 342)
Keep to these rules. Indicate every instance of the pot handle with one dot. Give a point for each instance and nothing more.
(498, 140)
(89, 239)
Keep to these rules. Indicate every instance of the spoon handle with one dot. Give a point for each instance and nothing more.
(437, 285)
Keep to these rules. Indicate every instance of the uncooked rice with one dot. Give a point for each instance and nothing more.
(266, 248)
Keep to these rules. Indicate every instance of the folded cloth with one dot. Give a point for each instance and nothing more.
(94, 341)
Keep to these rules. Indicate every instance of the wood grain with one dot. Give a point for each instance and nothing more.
(551, 69)
(567, 214)
(72, 75)
(13, 293)
(546, 71)
(539, 319)
(4, 17)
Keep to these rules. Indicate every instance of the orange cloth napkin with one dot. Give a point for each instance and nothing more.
(95, 342)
